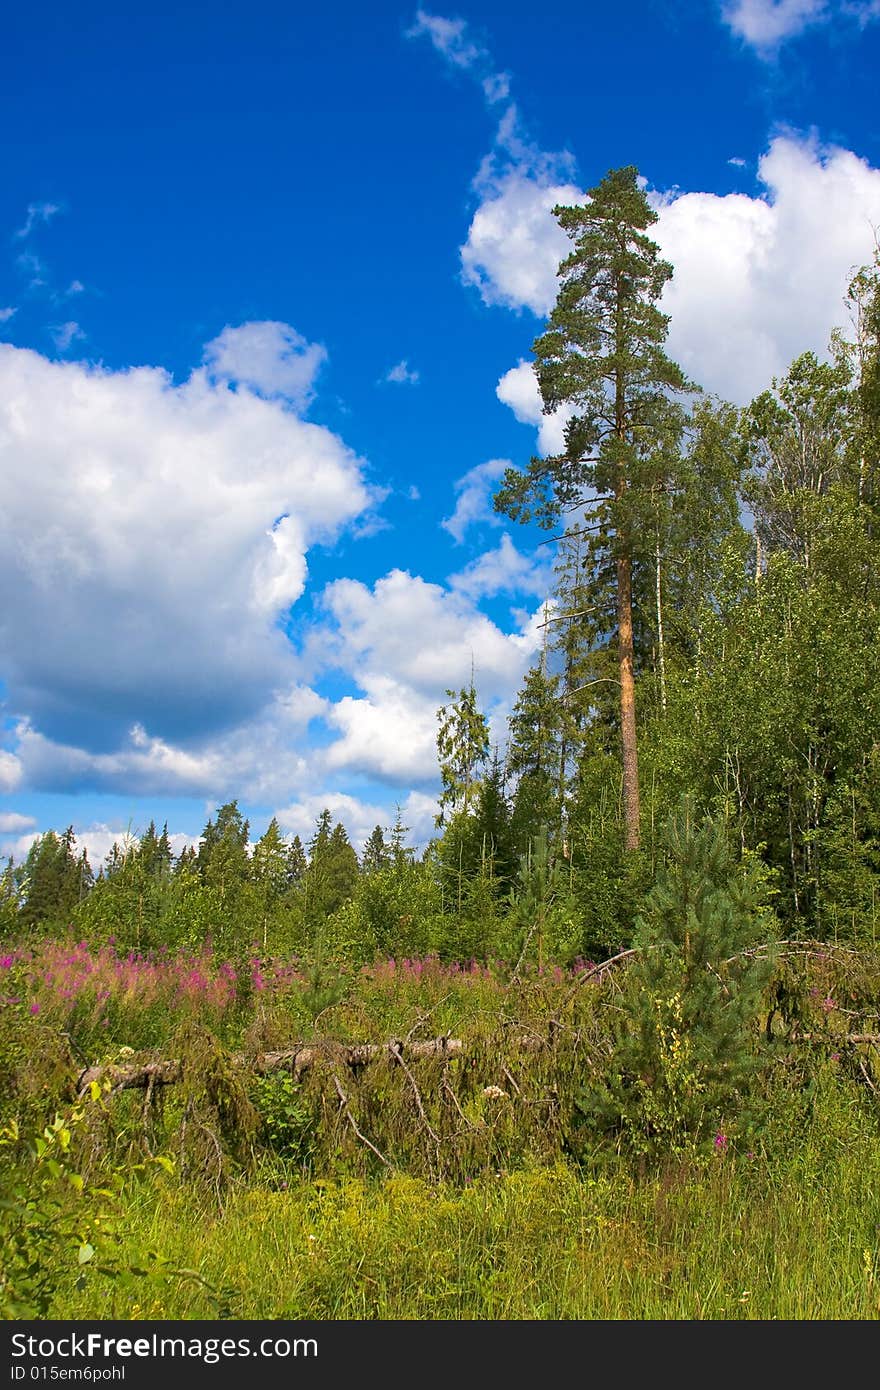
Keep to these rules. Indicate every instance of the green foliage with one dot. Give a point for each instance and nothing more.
(330, 878)
(52, 880)
(605, 326)
(287, 1122)
(216, 1122)
(543, 924)
(395, 911)
(799, 438)
(325, 984)
(686, 1046)
(9, 901)
(462, 748)
(55, 1225)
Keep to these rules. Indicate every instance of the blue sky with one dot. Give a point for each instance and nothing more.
(269, 277)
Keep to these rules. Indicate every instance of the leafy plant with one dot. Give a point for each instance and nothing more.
(287, 1121)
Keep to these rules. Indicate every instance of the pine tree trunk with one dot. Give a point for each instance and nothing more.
(625, 623)
(627, 701)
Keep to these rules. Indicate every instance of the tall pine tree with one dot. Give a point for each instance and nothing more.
(602, 358)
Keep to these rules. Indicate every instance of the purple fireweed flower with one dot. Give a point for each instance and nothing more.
(828, 1004)
(721, 1142)
(35, 1008)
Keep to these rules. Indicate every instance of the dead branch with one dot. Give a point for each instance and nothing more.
(597, 970)
(445, 1086)
(396, 1049)
(868, 1080)
(346, 1110)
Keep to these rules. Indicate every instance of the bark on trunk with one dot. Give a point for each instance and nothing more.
(627, 702)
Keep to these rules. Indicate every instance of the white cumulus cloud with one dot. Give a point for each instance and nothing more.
(404, 642)
(757, 279)
(10, 771)
(270, 358)
(766, 24)
(518, 388)
(153, 535)
(504, 570)
(514, 244)
(473, 498)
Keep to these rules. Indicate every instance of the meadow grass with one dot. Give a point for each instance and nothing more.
(793, 1237)
(782, 1222)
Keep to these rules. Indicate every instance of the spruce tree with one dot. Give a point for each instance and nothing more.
(270, 866)
(223, 854)
(533, 758)
(53, 879)
(332, 871)
(376, 853)
(463, 749)
(297, 862)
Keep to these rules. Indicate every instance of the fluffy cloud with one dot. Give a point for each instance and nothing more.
(260, 759)
(405, 642)
(504, 570)
(153, 535)
(386, 733)
(473, 502)
(10, 771)
(518, 388)
(11, 823)
(765, 24)
(268, 357)
(757, 279)
(423, 635)
(514, 244)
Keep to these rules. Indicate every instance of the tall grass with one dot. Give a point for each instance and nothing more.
(742, 1239)
(482, 1211)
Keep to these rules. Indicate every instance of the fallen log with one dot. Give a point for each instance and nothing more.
(125, 1076)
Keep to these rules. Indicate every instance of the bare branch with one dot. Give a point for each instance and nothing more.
(346, 1110)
